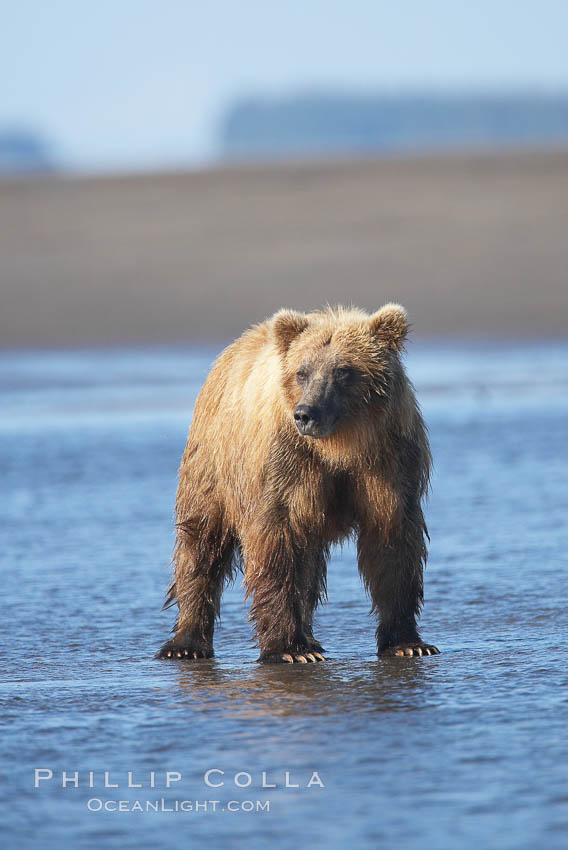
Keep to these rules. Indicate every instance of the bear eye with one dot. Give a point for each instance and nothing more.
(302, 376)
(344, 373)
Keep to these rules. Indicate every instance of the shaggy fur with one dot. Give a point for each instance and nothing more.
(254, 487)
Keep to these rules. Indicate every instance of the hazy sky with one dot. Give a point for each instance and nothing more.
(135, 83)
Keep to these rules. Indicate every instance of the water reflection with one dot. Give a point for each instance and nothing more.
(319, 690)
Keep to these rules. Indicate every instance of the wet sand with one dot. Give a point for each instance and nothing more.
(472, 245)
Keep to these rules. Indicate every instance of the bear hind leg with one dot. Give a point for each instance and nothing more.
(203, 562)
(393, 575)
(315, 568)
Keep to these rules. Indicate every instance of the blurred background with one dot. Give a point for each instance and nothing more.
(171, 172)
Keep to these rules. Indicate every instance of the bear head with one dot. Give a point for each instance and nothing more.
(338, 363)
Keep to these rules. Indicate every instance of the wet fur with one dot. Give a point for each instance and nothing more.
(251, 488)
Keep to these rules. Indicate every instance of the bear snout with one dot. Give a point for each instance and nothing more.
(307, 419)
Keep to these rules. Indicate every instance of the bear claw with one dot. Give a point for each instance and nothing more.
(306, 658)
(414, 649)
(183, 653)
(294, 658)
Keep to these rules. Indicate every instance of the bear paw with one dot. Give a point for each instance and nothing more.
(176, 651)
(410, 649)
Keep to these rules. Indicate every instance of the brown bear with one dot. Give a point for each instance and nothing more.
(306, 433)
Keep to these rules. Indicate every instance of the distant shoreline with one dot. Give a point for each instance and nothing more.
(214, 347)
(474, 245)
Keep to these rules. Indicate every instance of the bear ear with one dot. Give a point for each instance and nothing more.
(390, 324)
(286, 326)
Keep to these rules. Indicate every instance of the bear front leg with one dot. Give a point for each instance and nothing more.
(392, 569)
(203, 561)
(285, 583)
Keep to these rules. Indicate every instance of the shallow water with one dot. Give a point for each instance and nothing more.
(462, 750)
